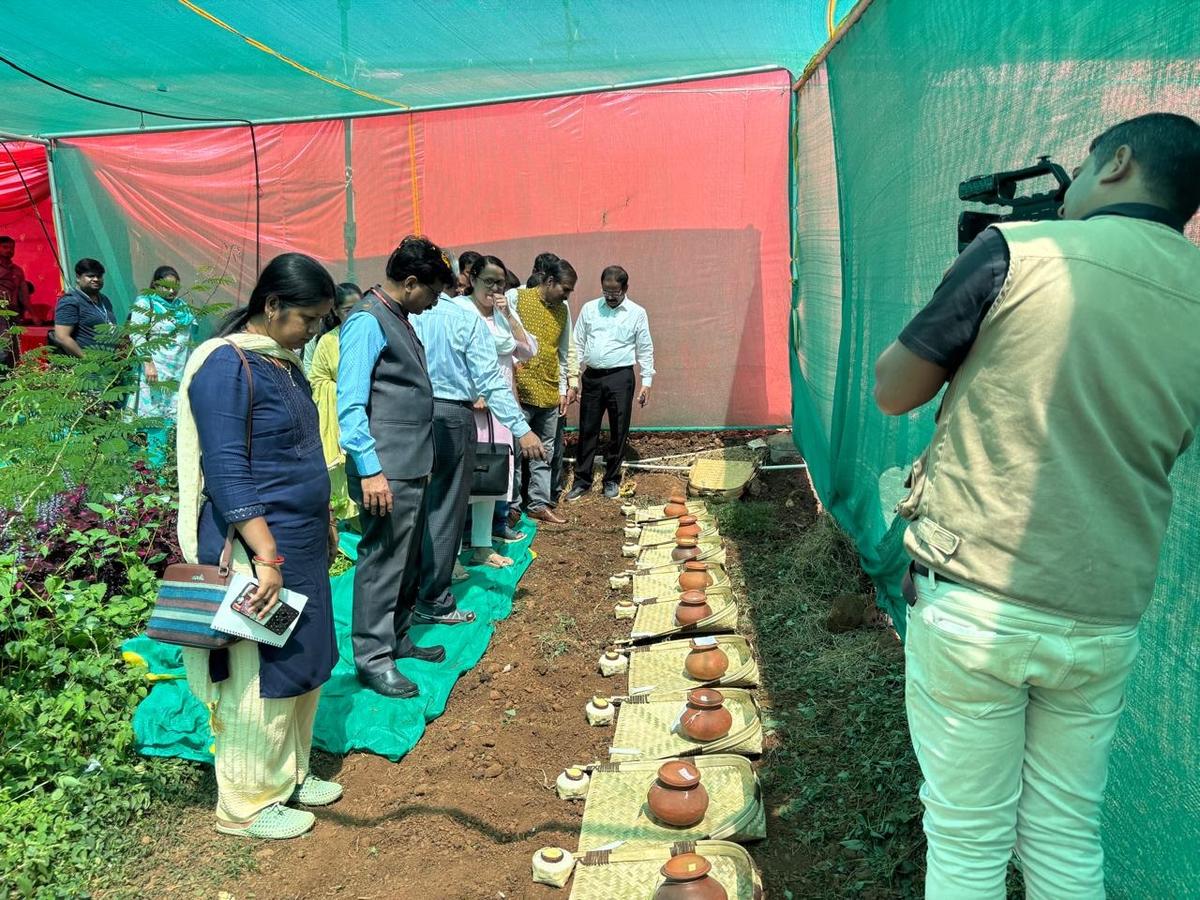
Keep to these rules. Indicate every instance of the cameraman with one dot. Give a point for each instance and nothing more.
(1038, 510)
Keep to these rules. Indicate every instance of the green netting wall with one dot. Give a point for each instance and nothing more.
(917, 96)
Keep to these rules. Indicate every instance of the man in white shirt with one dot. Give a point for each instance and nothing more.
(611, 334)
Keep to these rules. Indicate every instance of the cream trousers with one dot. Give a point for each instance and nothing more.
(1012, 713)
(262, 746)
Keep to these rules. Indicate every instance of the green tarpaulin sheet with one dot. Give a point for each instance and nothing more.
(172, 722)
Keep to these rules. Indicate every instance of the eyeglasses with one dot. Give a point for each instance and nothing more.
(492, 284)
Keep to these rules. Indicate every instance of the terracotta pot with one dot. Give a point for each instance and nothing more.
(688, 879)
(676, 507)
(706, 718)
(692, 607)
(695, 576)
(706, 662)
(688, 527)
(677, 797)
(685, 548)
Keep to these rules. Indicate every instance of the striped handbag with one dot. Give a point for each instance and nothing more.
(189, 595)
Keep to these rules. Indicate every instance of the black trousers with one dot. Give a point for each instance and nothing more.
(603, 391)
(386, 575)
(446, 503)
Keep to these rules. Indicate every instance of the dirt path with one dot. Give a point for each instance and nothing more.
(462, 814)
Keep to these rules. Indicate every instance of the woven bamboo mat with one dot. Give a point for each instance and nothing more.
(711, 551)
(650, 513)
(633, 873)
(656, 618)
(664, 582)
(617, 810)
(659, 667)
(664, 533)
(647, 727)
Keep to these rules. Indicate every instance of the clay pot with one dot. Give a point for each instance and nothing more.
(692, 607)
(677, 797)
(706, 662)
(705, 718)
(688, 527)
(685, 548)
(695, 576)
(676, 507)
(688, 879)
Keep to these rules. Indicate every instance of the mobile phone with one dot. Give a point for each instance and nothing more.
(280, 619)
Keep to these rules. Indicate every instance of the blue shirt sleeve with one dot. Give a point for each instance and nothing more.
(220, 401)
(487, 380)
(66, 310)
(361, 343)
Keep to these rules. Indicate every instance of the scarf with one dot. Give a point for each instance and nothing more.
(187, 440)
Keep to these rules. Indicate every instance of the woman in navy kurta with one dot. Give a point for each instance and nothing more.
(275, 496)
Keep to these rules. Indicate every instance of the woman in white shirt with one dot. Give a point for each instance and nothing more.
(485, 284)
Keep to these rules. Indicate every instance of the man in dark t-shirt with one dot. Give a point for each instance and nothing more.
(83, 314)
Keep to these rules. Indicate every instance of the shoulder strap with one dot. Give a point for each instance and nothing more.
(227, 550)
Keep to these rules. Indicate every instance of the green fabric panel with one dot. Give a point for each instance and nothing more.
(467, 51)
(172, 722)
(923, 94)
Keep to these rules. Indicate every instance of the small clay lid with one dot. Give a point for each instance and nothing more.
(686, 867)
(695, 646)
(693, 598)
(685, 542)
(695, 565)
(611, 654)
(678, 773)
(552, 855)
(678, 498)
(574, 773)
(705, 698)
(687, 520)
(600, 702)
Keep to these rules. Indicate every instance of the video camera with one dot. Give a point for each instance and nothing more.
(1000, 189)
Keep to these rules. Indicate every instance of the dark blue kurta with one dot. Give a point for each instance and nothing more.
(285, 480)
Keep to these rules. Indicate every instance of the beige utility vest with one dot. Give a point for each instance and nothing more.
(1046, 478)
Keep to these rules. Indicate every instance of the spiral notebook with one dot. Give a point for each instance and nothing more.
(232, 622)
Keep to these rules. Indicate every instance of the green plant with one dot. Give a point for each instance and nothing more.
(561, 638)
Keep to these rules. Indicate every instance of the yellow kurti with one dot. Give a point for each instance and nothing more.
(537, 380)
(323, 378)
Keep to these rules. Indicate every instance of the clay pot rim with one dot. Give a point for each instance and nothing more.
(687, 541)
(686, 867)
(687, 520)
(705, 698)
(677, 498)
(693, 647)
(702, 600)
(695, 565)
(671, 774)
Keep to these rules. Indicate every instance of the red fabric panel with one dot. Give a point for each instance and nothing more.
(19, 220)
(684, 185)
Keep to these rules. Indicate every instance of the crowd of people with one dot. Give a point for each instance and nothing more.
(425, 413)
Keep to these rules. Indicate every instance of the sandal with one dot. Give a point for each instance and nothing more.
(275, 823)
(457, 617)
(485, 556)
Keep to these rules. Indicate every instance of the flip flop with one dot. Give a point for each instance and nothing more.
(458, 617)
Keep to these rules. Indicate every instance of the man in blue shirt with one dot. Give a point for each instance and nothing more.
(461, 353)
(385, 411)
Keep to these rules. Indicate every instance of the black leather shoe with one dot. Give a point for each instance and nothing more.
(389, 683)
(434, 654)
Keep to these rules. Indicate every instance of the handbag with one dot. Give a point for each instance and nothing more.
(189, 595)
(490, 477)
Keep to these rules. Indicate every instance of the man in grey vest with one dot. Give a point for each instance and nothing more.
(385, 411)
(1038, 511)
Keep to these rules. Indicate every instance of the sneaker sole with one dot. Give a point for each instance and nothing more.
(282, 836)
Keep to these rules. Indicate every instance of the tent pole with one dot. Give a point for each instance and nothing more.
(371, 114)
(56, 214)
(9, 136)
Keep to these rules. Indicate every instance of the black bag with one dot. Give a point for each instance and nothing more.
(491, 475)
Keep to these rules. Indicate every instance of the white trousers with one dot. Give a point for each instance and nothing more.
(1012, 713)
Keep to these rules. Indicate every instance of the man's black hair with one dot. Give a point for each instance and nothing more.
(617, 274)
(1166, 147)
(89, 266)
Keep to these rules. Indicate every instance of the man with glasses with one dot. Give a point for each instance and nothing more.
(611, 334)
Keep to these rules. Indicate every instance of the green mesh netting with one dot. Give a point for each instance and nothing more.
(919, 95)
(172, 722)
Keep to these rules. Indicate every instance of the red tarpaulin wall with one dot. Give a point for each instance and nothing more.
(36, 248)
(685, 185)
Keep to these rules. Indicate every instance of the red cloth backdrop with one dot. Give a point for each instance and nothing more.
(35, 252)
(684, 185)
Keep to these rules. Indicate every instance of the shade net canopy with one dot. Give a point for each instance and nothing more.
(918, 96)
(232, 60)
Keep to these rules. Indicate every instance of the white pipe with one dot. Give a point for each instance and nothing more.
(56, 214)
(781, 467)
(654, 468)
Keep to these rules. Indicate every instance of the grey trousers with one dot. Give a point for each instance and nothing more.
(385, 576)
(544, 423)
(556, 463)
(446, 503)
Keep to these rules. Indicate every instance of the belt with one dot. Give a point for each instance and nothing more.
(465, 404)
(924, 571)
(592, 370)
